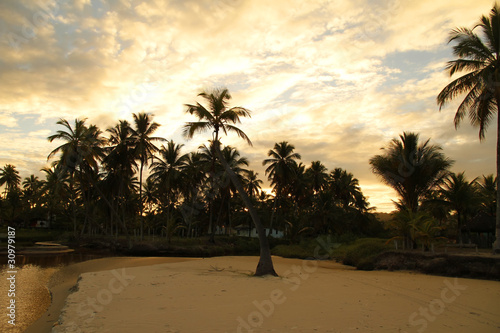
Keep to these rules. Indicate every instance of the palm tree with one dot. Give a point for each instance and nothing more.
(194, 175)
(237, 163)
(487, 187)
(166, 172)
(252, 183)
(281, 165)
(281, 170)
(479, 56)
(219, 117)
(411, 168)
(317, 174)
(78, 155)
(144, 148)
(10, 177)
(56, 190)
(346, 190)
(460, 196)
(32, 190)
(119, 165)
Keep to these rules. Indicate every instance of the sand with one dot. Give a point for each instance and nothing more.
(61, 282)
(220, 295)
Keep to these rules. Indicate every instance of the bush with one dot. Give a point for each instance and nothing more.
(361, 253)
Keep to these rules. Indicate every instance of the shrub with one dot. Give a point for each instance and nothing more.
(361, 253)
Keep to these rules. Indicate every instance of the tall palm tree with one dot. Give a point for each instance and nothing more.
(317, 173)
(460, 196)
(32, 187)
(120, 166)
(83, 147)
(144, 148)
(10, 177)
(166, 171)
(282, 165)
(411, 168)
(194, 176)
(346, 190)
(78, 156)
(237, 163)
(56, 191)
(252, 183)
(219, 117)
(487, 187)
(478, 55)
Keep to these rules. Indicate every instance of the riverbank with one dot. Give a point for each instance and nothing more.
(65, 278)
(220, 295)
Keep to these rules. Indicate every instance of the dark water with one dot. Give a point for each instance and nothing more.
(32, 297)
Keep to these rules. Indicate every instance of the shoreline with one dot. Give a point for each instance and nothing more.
(320, 296)
(64, 279)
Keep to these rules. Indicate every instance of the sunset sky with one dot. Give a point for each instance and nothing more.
(337, 79)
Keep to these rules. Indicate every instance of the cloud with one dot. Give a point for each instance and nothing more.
(337, 79)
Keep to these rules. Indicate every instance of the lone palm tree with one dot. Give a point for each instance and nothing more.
(219, 117)
(479, 57)
(411, 168)
(144, 149)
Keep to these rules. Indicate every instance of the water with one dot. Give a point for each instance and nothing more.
(32, 297)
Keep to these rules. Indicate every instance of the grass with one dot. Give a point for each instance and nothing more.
(28, 237)
(361, 253)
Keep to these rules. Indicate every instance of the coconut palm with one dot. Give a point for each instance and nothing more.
(252, 183)
(460, 196)
(237, 163)
(487, 189)
(78, 157)
(220, 118)
(317, 173)
(56, 191)
(411, 168)
(282, 165)
(144, 127)
(478, 55)
(119, 166)
(166, 172)
(346, 190)
(32, 190)
(10, 177)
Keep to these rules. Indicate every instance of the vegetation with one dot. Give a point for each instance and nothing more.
(126, 186)
(478, 55)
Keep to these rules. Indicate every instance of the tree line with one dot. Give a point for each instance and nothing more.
(95, 185)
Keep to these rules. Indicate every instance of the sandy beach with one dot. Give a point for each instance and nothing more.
(220, 295)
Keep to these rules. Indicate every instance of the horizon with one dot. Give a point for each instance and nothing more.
(337, 80)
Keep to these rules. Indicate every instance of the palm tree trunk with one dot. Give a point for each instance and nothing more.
(140, 201)
(274, 210)
(496, 244)
(265, 265)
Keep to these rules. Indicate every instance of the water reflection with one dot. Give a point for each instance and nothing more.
(53, 260)
(32, 297)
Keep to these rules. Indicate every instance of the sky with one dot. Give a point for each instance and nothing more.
(337, 79)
